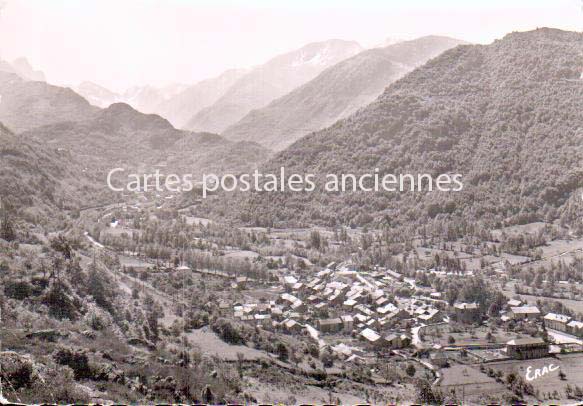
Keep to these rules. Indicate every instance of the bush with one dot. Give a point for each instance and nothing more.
(282, 352)
(60, 305)
(227, 332)
(75, 359)
(18, 290)
(410, 370)
(16, 370)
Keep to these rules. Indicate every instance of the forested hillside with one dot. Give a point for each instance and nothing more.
(507, 116)
(39, 181)
(335, 93)
(120, 136)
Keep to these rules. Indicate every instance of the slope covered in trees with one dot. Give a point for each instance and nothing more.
(38, 181)
(335, 93)
(120, 136)
(507, 116)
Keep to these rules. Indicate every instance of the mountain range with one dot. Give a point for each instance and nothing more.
(507, 116)
(146, 99)
(335, 93)
(22, 68)
(120, 136)
(57, 148)
(28, 104)
(269, 81)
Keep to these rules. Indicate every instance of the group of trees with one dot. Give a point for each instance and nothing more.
(7, 229)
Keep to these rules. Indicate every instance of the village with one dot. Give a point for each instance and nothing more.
(365, 316)
(360, 313)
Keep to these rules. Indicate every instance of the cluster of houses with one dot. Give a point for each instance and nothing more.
(360, 309)
(563, 323)
(559, 322)
(355, 306)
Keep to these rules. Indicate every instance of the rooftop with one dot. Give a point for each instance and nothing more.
(525, 310)
(526, 341)
(558, 317)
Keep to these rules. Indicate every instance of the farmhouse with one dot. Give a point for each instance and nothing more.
(429, 315)
(557, 321)
(292, 326)
(289, 281)
(467, 312)
(514, 303)
(527, 348)
(372, 337)
(330, 325)
(439, 359)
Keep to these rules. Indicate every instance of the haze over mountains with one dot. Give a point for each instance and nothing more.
(146, 99)
(22, 68)
(507, 116)
(269, 81)
(26, 104)
(346, 83)
(213, 104)
(336, 93)
(502, 111)
(61, 147)
(183, 105)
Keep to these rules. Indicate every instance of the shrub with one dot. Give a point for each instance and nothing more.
(60, 305)
(18, 290)
(410, 370)
(16, 370)
(75, 359)
(227, 332)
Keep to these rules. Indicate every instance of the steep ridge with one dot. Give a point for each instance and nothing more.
(182, 106)
(270, 81)
(336, 93)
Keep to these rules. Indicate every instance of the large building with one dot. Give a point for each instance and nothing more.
(527, 348)
(557, 321)
(524, 313)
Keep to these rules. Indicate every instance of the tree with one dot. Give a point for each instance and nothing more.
(426, 395)
(62, 245)
(97, 287)
(410, 370)
(327, 358)
(282, 352)
(315, 240)
(7, 231)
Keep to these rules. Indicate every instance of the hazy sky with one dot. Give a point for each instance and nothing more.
(120, 43)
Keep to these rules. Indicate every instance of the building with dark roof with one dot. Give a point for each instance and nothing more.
(527, 348)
